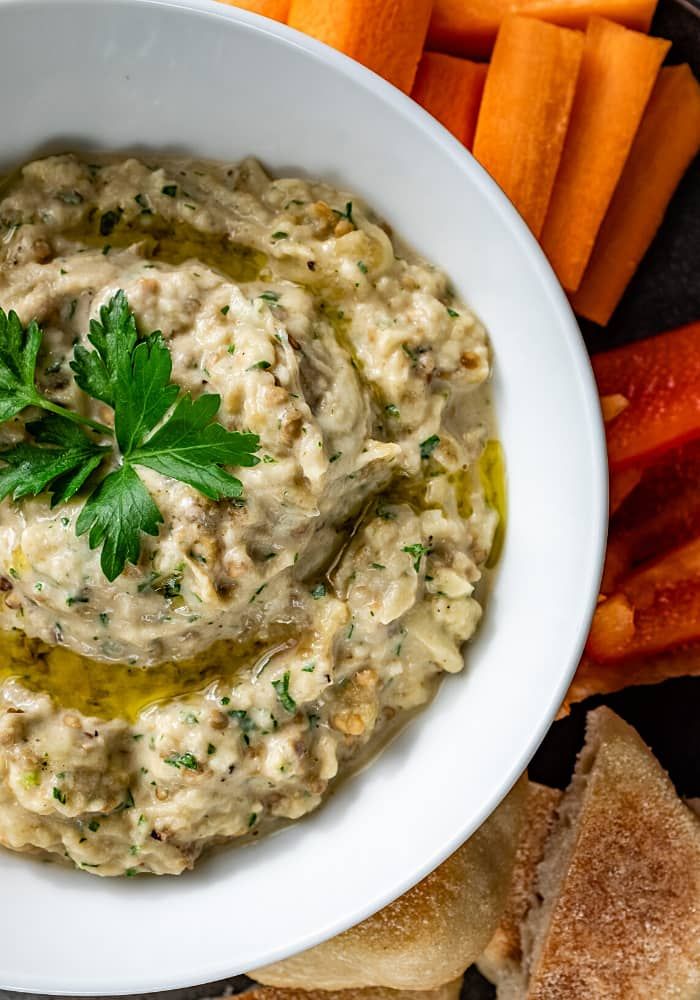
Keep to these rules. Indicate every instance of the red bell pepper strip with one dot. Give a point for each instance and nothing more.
(660, 378)
(660, 512)
(655, 609)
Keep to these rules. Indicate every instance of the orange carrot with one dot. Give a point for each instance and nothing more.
(276, 9)
(667, 141)
(388, 37)
(635, 14)
(618, 71)
(525, 111)
(450, 89)
(469, 27)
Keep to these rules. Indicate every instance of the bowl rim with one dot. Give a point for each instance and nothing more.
(590, 574)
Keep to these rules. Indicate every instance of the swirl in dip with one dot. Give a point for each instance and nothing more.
(259, 645)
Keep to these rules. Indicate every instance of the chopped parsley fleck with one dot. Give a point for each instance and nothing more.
(211, 749)
(281, 686)
(362, 266)
(170, 190)
(108, 221)
(347, 214)
(131, 872)
(428, 446)
(376, 566)
(309, 668)
(318, 591)
(225, 701)
(264, 365)
(280, 235)
(452, 313)
(142, 202)
(186, 760)
(391, 410)
(224, 310)
(385, 513)
(59, 795)
(269, 297)
(410, 353)
(335, 457)
(418, 550)
(251, 819)
(93, 826)
(258, 591)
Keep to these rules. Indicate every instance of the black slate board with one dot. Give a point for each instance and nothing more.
(664, 293)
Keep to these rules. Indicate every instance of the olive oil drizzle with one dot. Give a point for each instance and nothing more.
(118, 690)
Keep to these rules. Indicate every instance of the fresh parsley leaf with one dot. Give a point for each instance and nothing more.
(115, 516)
(62, 469)
(154, 427)
(100, 372)
(19, 348)
(146, 395)
(190, 447)
(170, 190)
(418, 550)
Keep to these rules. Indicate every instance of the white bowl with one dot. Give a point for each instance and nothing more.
(197, 76)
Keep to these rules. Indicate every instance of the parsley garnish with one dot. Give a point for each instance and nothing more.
(154, 426)
(392, 410)
(362, 266)
(179, 760)
(59, 795)
(428, 446)
(452, 313)
(279, 235)
(318, 591)
(281, 686)
(170, 190)
(417, 551)
(347, 214)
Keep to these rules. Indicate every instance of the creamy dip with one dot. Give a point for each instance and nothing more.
(259, 645)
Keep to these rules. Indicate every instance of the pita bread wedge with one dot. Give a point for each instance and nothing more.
(501, 961)
(431, 934)
(616, 905)
(450, 991)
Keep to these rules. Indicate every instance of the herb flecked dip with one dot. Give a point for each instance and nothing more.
(233, 551)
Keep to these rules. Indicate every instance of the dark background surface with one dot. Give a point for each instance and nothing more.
(664, 293)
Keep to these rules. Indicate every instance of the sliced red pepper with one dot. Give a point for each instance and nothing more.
(660, 512)
(653, 610)
(660, 379)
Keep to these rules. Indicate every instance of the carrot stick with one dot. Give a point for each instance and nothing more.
(667, 141)
(388, 37)
(525, 111)
(618, 70)
(276, 9)
(469, 27)
(450, 89)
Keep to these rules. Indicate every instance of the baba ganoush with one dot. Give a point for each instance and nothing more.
(259, 643)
